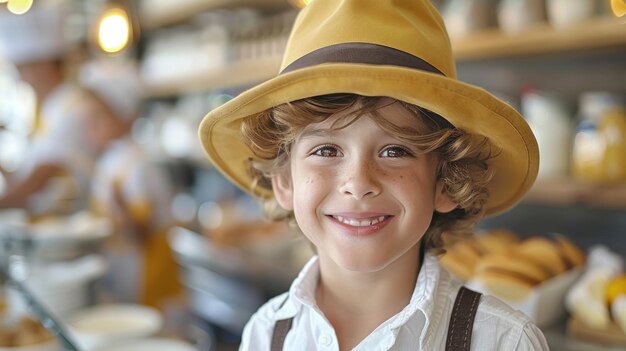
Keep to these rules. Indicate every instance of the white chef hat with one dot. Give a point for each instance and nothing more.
(37, 35)
(117, 82)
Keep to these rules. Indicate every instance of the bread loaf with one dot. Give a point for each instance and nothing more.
(508, 267)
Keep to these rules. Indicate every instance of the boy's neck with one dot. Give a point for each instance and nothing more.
(356, 303)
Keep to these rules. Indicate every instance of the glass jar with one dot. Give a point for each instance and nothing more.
(589, 150)
(612, 128)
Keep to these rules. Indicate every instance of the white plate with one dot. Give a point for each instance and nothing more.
(105, 324)
(67, 275)
(58, 238)
(77, 227)
(60, 286)
(152, 344)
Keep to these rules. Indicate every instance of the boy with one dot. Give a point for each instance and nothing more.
(368, 142)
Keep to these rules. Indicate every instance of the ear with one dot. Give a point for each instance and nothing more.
(283, 190)
(443, 203)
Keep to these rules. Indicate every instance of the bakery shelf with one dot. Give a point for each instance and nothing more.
(234, 75)
(155, 14)
(570, 192)
(598, 33)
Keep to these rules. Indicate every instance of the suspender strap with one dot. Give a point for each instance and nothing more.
(462, 320)
(459, 330)
(281, 328)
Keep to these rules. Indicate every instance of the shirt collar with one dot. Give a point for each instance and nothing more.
(302, 290)
(429, 281)
(304, 286)
(424, 294)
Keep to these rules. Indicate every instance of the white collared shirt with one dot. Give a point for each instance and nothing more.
(421, 325)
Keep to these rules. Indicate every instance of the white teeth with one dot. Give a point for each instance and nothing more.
(359, 223)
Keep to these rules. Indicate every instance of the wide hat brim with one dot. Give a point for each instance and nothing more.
(467, 107)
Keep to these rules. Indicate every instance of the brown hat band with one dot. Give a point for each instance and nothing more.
(366, 53)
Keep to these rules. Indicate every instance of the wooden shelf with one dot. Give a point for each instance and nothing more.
(165, 13)
(603, 32)
(569, 192)
(595, 34)
(234, 75)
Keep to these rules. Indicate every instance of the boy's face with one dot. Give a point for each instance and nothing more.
(362, 196)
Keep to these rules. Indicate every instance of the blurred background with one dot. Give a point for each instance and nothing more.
(109, 208)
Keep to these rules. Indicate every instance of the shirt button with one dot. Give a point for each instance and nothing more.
(325, 340)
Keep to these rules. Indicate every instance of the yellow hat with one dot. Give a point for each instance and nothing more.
(394, 48)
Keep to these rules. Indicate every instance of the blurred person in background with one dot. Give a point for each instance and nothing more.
(132, 190)
(55, 174)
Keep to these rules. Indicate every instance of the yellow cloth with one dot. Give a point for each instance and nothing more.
(133, 192)
(160, 273)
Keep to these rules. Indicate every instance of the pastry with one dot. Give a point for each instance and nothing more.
(545, 252)
(496, 240)
(573, 253)
(509, 276)
(461, 259)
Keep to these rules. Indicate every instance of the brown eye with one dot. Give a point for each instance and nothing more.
(327, 151)
(395, 151)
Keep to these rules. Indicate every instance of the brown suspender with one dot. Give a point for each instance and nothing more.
(462, 320)
(281, 328)
(459, 330)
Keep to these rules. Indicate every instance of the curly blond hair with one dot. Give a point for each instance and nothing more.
(462, 157)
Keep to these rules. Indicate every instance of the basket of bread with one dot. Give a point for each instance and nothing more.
(532, 275)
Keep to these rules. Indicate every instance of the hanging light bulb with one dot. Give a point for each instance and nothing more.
(114, 30)
(19, 7)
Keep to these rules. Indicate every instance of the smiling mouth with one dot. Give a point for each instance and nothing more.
(362, 222)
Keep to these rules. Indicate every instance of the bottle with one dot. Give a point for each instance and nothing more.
(589, 147)
(549, 119)
(464, 17)
(515, 16)
(565, 13)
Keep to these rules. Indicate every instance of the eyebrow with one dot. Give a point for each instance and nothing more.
(318, 132)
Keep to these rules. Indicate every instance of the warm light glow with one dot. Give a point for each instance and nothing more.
(3, 1)
(300, 3)
(114, 30)
(19, 7)
(618, 7)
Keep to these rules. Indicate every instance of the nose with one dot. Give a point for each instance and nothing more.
(361, 179)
